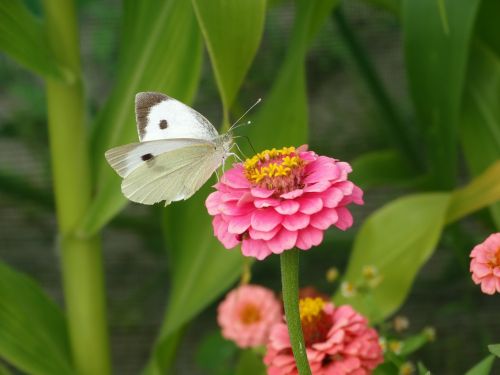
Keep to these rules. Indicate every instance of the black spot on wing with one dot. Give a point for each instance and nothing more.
(163, 124)
(147, 157)
(143, 103)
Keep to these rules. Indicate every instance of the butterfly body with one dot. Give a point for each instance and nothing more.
(179, 150)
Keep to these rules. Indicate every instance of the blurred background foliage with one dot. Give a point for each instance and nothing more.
(406, 91)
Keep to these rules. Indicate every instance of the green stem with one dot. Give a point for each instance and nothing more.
(290, 287)
(81, 258)
(394, 125)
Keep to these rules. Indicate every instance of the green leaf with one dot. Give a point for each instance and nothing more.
(283, 118)
(4, 370)
(481, 192)
(483, 367)
(494, 349)
(386, 368)
(215, 353)
(436, 55)
(162, 52)
(413, 343)
(480, 121)
(403, 235)
(399, 236)
(33, 333)
(393, 6)
(250, 363)
(232, 32)
(201, 267)
(380, 168)
(23, 37)
(422, 370)
(487, 26)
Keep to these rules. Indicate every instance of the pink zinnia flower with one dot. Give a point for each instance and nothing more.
(281, 199)
(338, 342)
(247, 314)
(485, 264)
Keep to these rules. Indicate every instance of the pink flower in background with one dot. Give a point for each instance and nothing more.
(247, 314)
(281, 199)
(338, 342)
(485, 264)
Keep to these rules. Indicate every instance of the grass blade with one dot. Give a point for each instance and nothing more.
(232, 31)
(436, 56)
(33, 334)
(23, 37)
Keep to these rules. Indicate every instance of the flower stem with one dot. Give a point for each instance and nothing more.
(290, 287)
(81, 258)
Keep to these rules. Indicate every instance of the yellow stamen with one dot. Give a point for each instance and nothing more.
(271, 163)
(310, 308)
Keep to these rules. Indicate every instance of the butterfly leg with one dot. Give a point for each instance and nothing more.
(239, 150)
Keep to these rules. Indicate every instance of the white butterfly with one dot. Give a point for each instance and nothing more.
(179, 150)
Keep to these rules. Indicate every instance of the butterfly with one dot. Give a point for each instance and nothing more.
(179, 150)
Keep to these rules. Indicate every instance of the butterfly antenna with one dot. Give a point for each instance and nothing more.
(244, 114)
(249, 142)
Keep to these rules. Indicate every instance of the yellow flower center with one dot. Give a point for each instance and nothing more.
(315, 322)
(275, 169)
(250, 314)
(310, 308)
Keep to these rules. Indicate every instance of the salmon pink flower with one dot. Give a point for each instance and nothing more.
(247, 314)
(485, 264)
(338, 342)
(281, 199)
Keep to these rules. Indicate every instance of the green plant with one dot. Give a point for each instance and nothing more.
(452, 65)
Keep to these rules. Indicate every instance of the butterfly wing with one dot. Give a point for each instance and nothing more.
(124, 159)
(172, 175)
(159, 116)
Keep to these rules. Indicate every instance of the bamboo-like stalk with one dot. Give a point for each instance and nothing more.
(81, 258)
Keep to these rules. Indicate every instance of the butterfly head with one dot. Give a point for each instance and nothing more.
(225, 142)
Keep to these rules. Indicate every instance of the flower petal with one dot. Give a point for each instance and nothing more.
(332, 197)
(345, 218)
(309, 237)
(310, 205)
(488, 285)
(255, 248)
(245, 198)
(287, 207)
(296, 221)
(235, 178)
(318, 187)
(261, 193)
(259, 235)
(292, 194)
(239, 224)
(232, 208)
(265, 219)
(480, 269)
(212, 203)
(346, 186)
(322, 169)
(266, 202)
(325, 218)
(284, 240)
